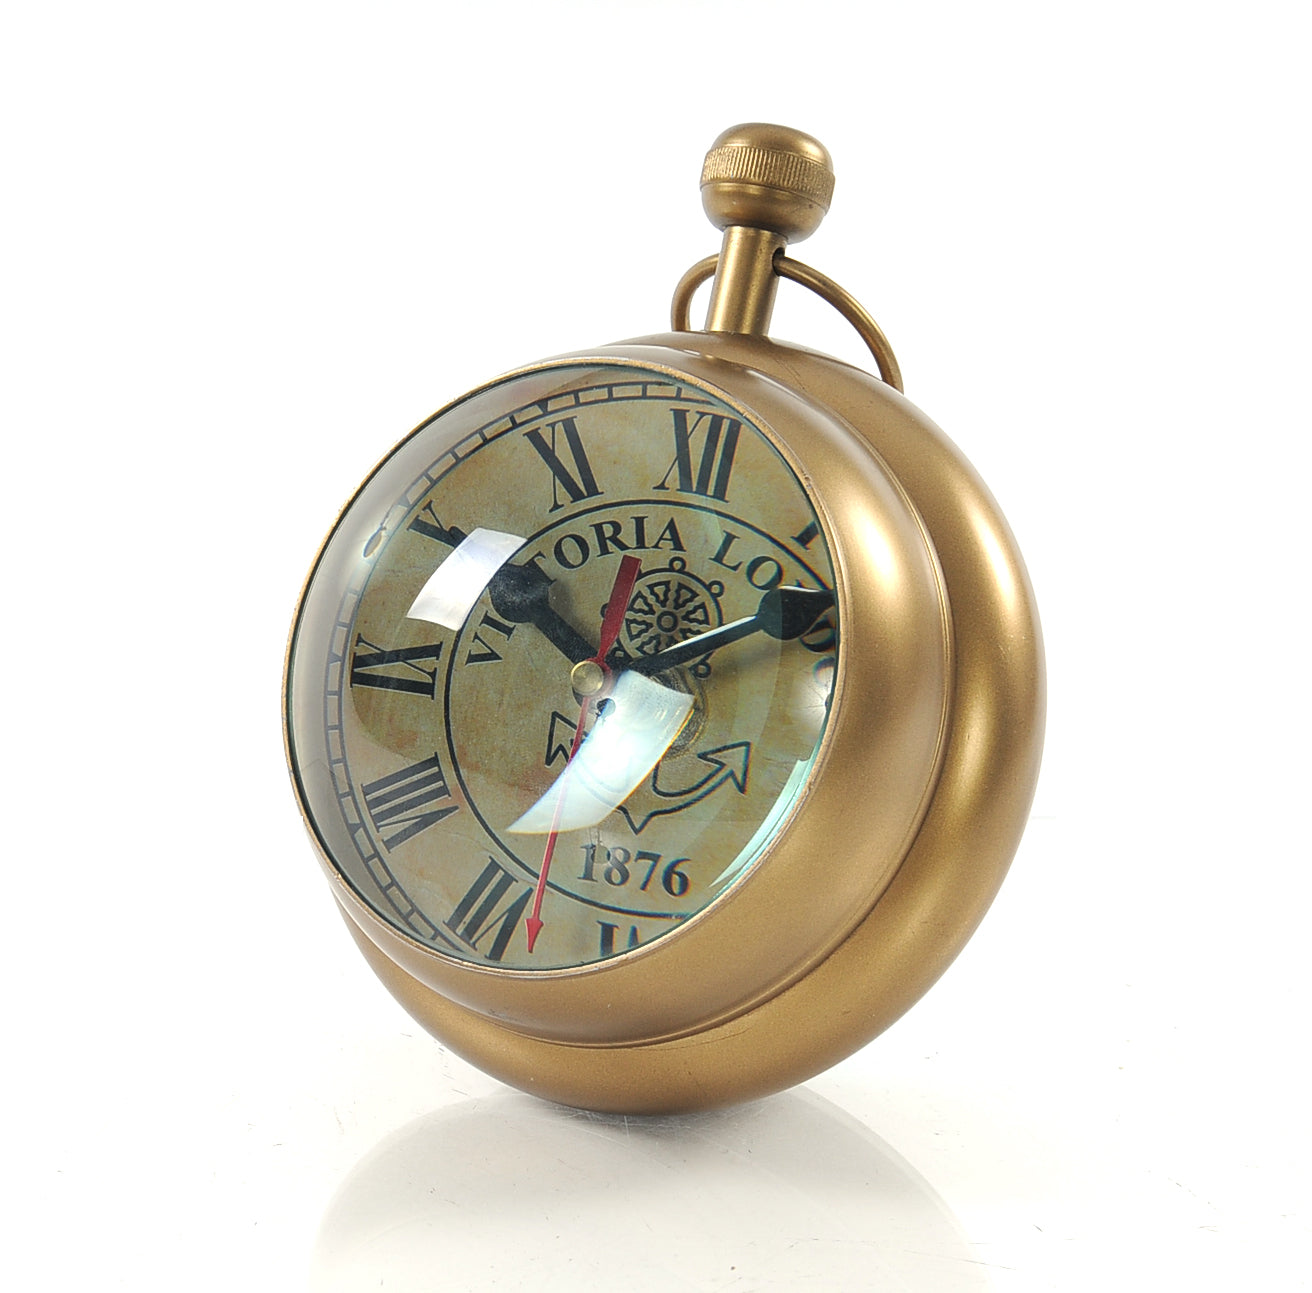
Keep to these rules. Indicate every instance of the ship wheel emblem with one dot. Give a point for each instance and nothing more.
(670, 605)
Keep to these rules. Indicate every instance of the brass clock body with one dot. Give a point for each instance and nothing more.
(837, 797)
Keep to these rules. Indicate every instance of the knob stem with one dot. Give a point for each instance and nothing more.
(742, 296)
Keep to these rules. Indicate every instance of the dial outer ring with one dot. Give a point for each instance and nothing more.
(684, 982)
(952, 871)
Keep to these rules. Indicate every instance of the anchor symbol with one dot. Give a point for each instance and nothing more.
(729, 765)
(560, 736)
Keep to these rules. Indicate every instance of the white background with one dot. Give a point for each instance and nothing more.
(247, 246)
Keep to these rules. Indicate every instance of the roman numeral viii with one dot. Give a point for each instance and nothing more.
(709, 474)
(491, 907)
(407, 802)
(398, 670)
(575, 476)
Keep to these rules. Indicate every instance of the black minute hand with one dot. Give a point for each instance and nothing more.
(784, 613)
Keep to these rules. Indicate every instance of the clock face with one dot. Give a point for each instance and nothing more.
(563, 667)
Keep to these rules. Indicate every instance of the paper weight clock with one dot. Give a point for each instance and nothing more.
(666, 715)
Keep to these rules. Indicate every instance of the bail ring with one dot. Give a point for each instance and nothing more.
(824, 287)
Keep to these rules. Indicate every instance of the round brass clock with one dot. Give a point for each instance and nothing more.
(666, 715)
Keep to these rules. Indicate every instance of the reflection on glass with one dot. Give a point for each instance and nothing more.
(765, 832)
(636, 724)
(454, 587)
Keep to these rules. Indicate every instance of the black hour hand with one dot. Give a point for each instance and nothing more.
(784, 614)
(521, 595)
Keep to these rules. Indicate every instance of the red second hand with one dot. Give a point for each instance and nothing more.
(612, 621)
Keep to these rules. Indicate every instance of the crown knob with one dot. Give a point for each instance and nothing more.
(768, 177)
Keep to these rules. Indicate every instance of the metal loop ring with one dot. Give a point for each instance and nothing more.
(843, 301)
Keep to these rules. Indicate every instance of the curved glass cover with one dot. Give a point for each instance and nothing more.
(563, 666)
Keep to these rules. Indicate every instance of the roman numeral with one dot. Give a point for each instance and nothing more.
(427, 524)
(490, 907)
(574, 477)
(408, 801)
(397, 670)
(480, 649)
(715, 462)
(608, 938)
(808, 535)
